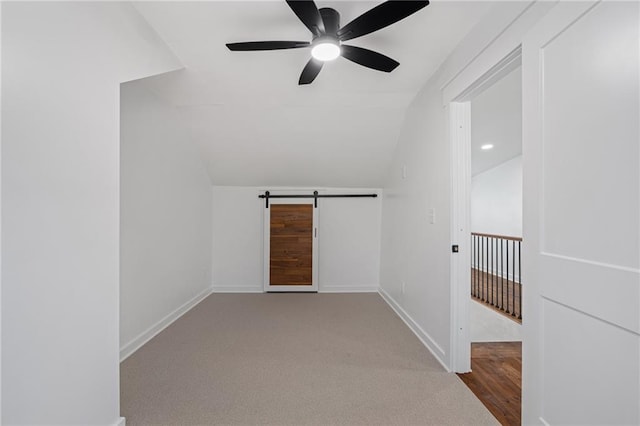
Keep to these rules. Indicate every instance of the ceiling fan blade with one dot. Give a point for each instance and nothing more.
(379, 17)
(310, 71)
(267, 45)
(368, 58)
(308, 13)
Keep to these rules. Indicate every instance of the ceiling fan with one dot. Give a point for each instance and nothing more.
(327, 35)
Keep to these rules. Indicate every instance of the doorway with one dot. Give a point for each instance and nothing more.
(488, 359)
(461, 178)
(495, 209)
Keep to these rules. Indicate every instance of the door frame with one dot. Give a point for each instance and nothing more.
(459, 105)
(267, 247)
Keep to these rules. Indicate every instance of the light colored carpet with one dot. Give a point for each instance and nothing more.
(292, 359)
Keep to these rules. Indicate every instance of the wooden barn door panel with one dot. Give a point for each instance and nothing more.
(291, 246)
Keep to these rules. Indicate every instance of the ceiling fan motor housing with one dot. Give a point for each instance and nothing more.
(331, 21)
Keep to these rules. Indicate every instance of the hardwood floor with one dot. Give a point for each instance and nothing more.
(497, 293)
(496, 379)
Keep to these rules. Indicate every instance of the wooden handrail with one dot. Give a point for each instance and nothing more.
(504, 237)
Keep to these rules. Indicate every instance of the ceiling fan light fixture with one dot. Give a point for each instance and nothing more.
(326, 50)
(328, 35)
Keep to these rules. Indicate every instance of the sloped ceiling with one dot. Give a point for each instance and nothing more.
(496, 119)
(252, 122)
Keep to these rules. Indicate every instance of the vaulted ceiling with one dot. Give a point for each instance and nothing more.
(253, 123)
(496, 119)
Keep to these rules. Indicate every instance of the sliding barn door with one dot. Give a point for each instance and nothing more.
(581, 347)
(291, 246)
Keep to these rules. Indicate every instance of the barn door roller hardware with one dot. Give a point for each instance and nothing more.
(315, 196)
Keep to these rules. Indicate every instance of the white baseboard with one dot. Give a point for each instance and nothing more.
(137, 342)
(322, 289)
(237, 289)
(422, 335)
(347, 289)
(120, 422)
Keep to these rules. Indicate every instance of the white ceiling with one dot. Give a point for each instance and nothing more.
(496, 118)
(252, 122)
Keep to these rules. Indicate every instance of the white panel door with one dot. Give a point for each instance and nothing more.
(581, 352)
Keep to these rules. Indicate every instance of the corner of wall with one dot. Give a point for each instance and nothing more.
(420, 333)
(136, 343)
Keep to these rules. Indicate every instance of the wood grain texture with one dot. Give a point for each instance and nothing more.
(502, 237)
(498, 293)
(496, 379)
(291, 244)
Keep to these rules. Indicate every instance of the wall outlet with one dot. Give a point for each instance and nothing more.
(404, 171)
(402, 287)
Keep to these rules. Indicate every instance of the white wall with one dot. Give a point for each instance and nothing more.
(62, 65)
(165, 217)
(237, 239)
(349, 240)
(496, 200)
(414, 250)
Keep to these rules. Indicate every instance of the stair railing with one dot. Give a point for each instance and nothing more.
(496, 272)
